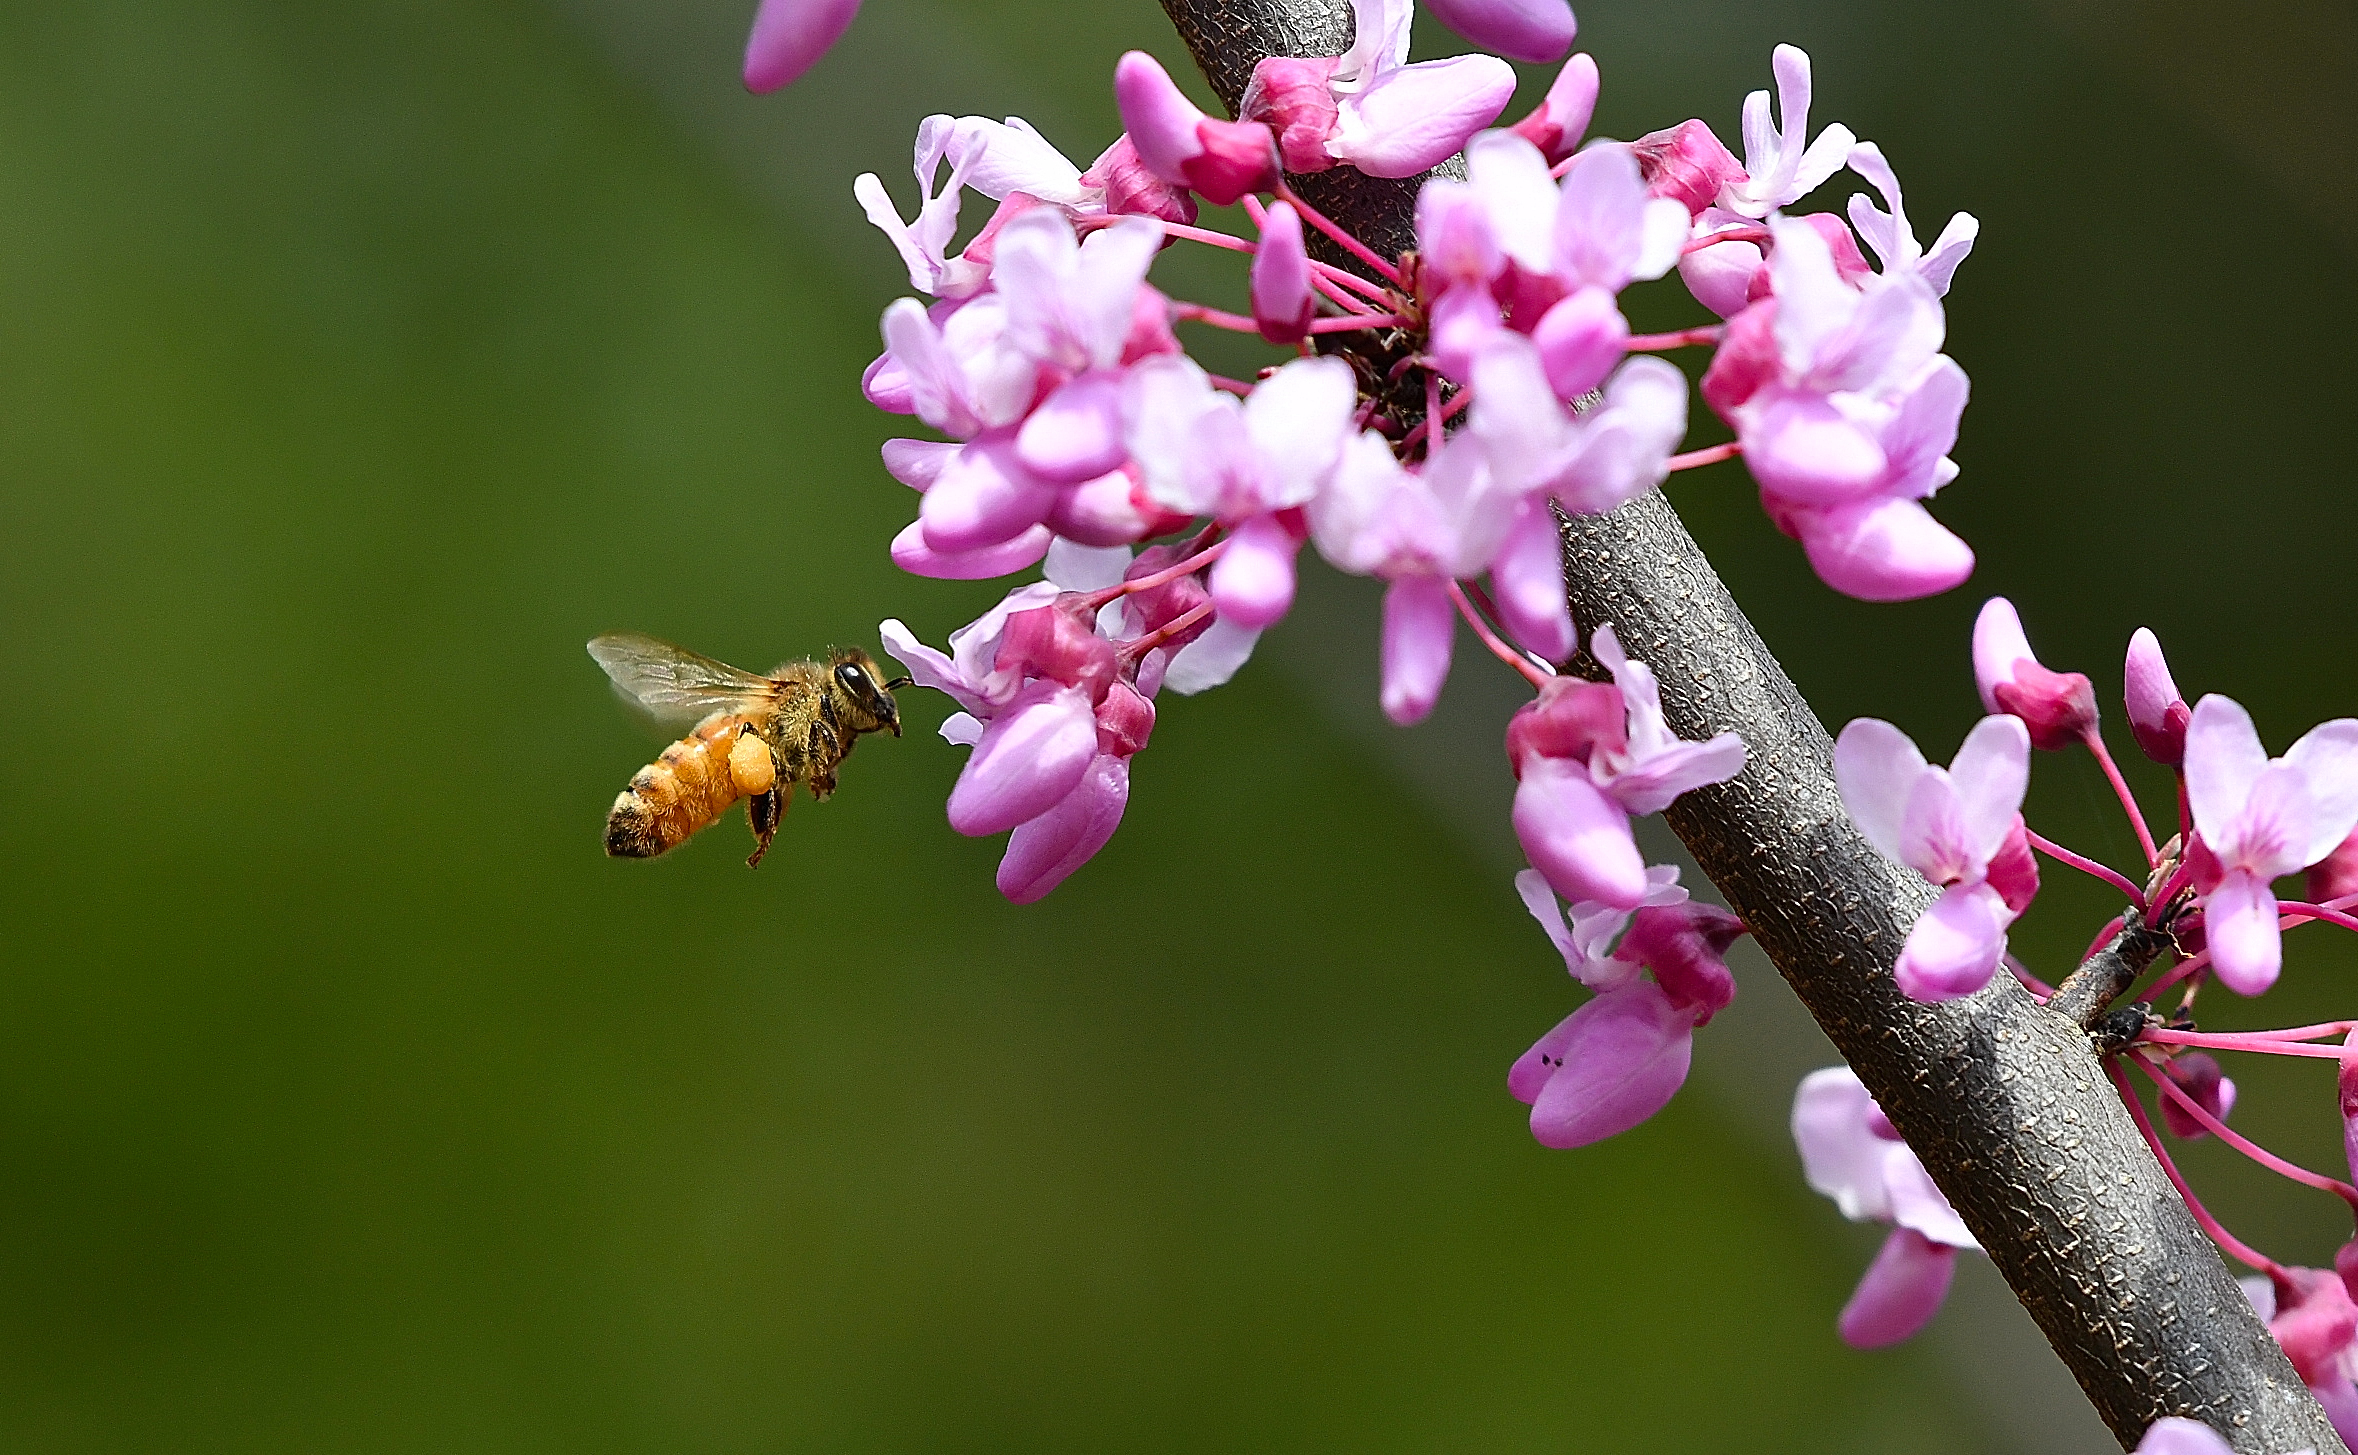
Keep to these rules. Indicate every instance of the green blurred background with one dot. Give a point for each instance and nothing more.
(360, 361)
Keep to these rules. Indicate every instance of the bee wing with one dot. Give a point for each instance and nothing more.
(674, 683)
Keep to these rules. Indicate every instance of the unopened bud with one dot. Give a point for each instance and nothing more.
(2335, 875)
(2059, 708)
(2157, 714)
(1282, 301)
(1688, 163)
(1294, 97)
(1569, 719)
(1132, 188)
(1561, 118)
(2197, 1074)
(1221, 160)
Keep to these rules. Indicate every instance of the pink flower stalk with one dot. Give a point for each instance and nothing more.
(1889, 233)
(1781, 165)
(1851, 1153)
(1561, 118)
(2310, 1313)
(1370, 107)
(1283, 303)
(1620, 1057)
(1588, 757)
(1220, 160)
(2157, 714)
(2260, 818)
(788, 38)
(1249, 465)
(2059, 708)
(2197, 1074)
(1948, 825)
(1846, 411)
(2176, 1435)
(1535, 31)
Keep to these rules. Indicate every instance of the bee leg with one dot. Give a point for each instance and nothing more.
(763, 811)
(826, 751)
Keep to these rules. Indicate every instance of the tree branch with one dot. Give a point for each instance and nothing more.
(2002, 1099)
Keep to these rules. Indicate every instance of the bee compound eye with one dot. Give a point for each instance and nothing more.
(850, 675)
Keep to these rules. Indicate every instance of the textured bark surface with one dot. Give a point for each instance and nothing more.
(2004, 1100)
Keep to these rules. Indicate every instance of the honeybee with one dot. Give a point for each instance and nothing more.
(755, 737)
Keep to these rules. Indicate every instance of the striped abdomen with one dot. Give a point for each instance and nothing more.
(696, 780)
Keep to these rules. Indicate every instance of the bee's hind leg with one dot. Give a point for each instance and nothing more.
(763, 811)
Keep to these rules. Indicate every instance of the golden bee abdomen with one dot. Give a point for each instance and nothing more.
(692, 784)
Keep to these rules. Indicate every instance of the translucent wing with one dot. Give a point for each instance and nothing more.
(674, 683)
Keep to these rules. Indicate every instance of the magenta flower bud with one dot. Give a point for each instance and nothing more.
(2197, 1074)
(1125, 720)
(1058, 642)
(2014, 869)
(1561, 118)
(1610, 1065)
(1580, 340)
(913, 555)
(1032, 754)
(1282, 301)
(1132, 189)
(1536, 31)
(1686, 947)
(1576, 836)
(1687, 163)
(2336, 874)
(1903, 1288)
(1044, 851)
(788, 38)
(1569, 719)
(2059, 708)
(981, 498)
(1221, 160)
(1293, 97)
(1253, 581)
(2157, 714)
(1419, 625)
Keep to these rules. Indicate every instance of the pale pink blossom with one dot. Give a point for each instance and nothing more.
(1592, 460)
(2259, 818)
(1536, 31)
(1781, 164)
(2310, 1313)
(1851, 1153)
(1221, 160)
(2059, 708)
(1370, 107)
(1620, 1057)
(1588, 756)
(1891, 235)
(1947, 824)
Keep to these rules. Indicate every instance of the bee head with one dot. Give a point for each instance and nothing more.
(865, 689)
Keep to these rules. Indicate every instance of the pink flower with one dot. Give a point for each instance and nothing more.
(1851, 1153)
(1373, 109)
(1205, 453)
(1889, 234)
(2157, 714)
(1689, 164)
(1948, 825)
(2059, 708)
(1221, 160)
(788, 38)
(2260, 818)
(1620, 1058)
(2310, 1313)
(1588, 756)
(1591, 461)
(1779, 168)
(2336, 875)
(1536, 31)
(2176, 1435)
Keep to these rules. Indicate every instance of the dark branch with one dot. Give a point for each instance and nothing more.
(2103, 976)
(2003, 1099)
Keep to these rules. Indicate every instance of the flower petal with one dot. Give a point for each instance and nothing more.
(1419, 116)
(1954, 946)
(1032, 755)
(1841, 1156)
(2223, 760)
(1043, 852)
(2327, 756)
(1211, 659)
(913, 555)
(1536, 31)
(1884, 550)
(1576, 836)
(1991, 772)
(2239, 925)
(1903, 1288)
(1626, 1056)
(1541, 901)
(1876, 767)
(1252, 583)
(1419, 624)
(788, 38)
(1533, 1069)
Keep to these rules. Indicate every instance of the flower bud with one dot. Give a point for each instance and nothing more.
(1044, 851)
(1580, 340)
(1034, 753)
(1221, 160)
(1569, 719)
(1688, 163)
(1125, 720)
(2059, 708)
(1293, 97)
(1057, 642)
(2315, 1321)
(1561, 118)
(788, 38)
(1131, 187)
(1686, 947)
(2157, 714)
(1283, 303)
(2335, 875)
(2197, 1074)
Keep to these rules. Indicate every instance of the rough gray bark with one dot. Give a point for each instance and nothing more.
(2003, 1099)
